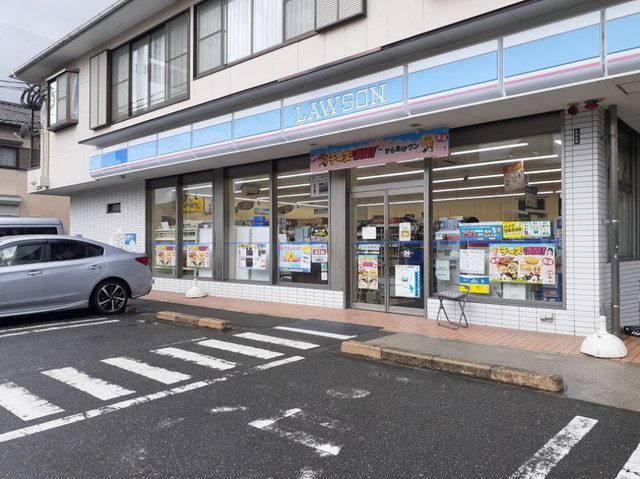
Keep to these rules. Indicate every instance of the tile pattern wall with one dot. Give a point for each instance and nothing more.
(257, 292)
(88, 213)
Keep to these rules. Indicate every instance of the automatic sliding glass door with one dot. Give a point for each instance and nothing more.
(387, 238)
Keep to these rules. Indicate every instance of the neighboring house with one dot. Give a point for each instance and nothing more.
(352, 153)
(16, 159)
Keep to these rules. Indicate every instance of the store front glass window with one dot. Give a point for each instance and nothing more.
(164, 224)
(303, 227)
(497, 219)
(248, 241)
(197, 229)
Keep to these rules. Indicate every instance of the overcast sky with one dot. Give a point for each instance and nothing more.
(28, 26)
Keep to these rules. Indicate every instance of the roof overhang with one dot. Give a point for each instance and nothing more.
(119, 17)
(511, 19)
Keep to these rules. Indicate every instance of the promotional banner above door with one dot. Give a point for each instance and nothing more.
(420, 144)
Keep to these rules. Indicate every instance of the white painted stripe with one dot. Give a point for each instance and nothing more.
(220, 409)
(308, 473)
(201, 359)
(631, 469)
(55, 328)
(85, 383)
(143, 369)
(279, 341)
(279, 362)
(23, 404)
(43, 325)
(240, 349)
(265, 423)
(314, 333)
(56, 423)
(541, 463)
(321, 448)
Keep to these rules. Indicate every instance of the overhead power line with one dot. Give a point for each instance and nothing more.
(23, 35)
(27, 33)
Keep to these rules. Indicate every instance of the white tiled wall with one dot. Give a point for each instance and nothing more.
(276, 294)
(88, 215)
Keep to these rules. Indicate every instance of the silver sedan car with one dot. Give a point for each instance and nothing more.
(41, 273)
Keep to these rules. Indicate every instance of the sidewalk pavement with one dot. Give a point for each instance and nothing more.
(609, 382)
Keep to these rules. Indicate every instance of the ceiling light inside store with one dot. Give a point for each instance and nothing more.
(498, 162)
(388, 175)
(545, 182)
(478, 197)
(558, 142)
(479, 187)
(240, 182)
(488, 148)
(369, 166)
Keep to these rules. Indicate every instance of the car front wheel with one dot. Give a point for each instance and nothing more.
(109, 297)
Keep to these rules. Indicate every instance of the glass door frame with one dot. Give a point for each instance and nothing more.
(385, 191)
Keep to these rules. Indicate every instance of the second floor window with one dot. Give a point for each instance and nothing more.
(63, 100)
(151, 71)
(230, 30)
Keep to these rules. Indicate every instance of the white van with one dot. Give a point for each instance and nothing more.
(14, 226)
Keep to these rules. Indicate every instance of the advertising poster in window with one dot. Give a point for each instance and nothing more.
(523, 263)
(367, 271)
(409, 146)
(319, 185)
(193, 204)
(514, 179)
(480, 231)
(295, 258)
(474, 284)
(198, 255)
(252, 256)
(404, 232)
(165, 254)
(320, 253)
(526, 229)
(408, 281)
(472, 261)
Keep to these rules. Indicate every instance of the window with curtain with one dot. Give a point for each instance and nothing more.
(209, 35)
(299, 17)
(63, 100)
(267, 24)
(178, 32)
(153, 68)
(8, 157)
(238, 29)
(140, 75)
(628, 200)
(120, 83)
(157, 67)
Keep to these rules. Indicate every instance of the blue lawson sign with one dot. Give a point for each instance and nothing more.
(346, 102)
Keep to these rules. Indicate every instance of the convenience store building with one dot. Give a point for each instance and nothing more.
(473, 153)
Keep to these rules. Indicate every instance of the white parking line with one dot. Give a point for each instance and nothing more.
(83, 416)
(631, 469)
(314, 333)
(23, 404)
(85, 383)
(322, 448)
(201, 359)
(42, 325)
(279, 362)
(240, 349)
(279, 341)
(55, 328)
(541, 463)
(143, 369)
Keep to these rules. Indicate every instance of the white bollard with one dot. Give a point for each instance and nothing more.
(602, 344)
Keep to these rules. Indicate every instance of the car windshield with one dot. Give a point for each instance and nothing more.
(7, 254)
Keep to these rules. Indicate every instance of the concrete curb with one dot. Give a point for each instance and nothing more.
(193, 320)
(491, 372)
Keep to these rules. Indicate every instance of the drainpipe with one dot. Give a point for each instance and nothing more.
(614, 238)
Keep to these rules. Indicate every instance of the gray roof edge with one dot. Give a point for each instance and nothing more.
(104, 14)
